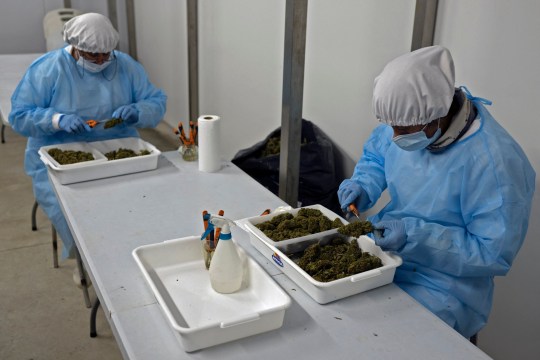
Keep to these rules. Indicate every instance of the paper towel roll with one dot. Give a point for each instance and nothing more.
(209, 143)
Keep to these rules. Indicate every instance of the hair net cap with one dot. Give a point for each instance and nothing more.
(91, 33)
(415, 88)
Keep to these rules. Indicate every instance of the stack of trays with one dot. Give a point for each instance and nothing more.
(100, 167)
(280, 252)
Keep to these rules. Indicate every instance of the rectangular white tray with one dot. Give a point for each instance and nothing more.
(101, 167)
(325, 292)
(258, 235)
(199, 316)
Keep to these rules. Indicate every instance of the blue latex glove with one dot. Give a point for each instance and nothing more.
(73, 124)
(128, 113)
(393, 235)
(350, 192)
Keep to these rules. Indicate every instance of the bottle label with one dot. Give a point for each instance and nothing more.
(277, 259)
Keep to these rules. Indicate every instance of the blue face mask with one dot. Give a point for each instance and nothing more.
(92, 67)
(416, 141)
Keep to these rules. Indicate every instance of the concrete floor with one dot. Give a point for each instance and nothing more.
(42, 311)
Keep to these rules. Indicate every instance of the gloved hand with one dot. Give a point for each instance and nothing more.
(350, 192)
(393, 235)
(73, 124)
(128, 113)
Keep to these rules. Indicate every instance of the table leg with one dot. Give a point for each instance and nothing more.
(93, 314)
(84, 283)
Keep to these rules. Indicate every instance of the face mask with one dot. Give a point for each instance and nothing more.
(92, 67)
(416, 141)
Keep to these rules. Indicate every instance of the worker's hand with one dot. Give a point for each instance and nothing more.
(128, 113)
(73, 124)
(393, 235)
(350, 192)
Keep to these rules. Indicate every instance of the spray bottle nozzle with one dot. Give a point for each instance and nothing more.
(223, 223)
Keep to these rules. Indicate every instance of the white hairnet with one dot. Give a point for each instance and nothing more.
(91, 33)
(415, 88)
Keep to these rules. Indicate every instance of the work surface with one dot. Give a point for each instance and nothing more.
(111, 217)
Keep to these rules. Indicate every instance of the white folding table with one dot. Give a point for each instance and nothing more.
(111, 217)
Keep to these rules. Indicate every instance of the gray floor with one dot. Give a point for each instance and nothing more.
(42, 312)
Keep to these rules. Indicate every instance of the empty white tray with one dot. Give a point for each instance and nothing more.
(101, 167)
(199, 316)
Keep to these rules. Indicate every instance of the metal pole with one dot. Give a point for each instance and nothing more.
(67, 4)
(132, 39)
(113, 13)
(193, 59)
(293, 93)
(424, 23)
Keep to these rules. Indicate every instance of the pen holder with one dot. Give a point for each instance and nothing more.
(189, 152)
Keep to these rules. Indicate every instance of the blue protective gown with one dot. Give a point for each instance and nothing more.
(466, 213)
(54, 83)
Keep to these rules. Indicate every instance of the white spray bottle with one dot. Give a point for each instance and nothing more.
(226, 269)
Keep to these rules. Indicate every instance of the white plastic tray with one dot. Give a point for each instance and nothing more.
(101, 167)
(325, 292)
(199, 316)
(258, 235)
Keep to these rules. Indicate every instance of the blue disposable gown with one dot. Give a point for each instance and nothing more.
(54, 83)
(466, 212)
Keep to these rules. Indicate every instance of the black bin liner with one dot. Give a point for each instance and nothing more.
(319, 179)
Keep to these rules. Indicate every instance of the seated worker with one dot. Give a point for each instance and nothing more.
(62, 89)
(460, 188)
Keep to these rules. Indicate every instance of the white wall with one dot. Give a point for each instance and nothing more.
(241, 65)
(21, 25)
(348, 43)
(162, 50)
(21, 22)
(496, 50)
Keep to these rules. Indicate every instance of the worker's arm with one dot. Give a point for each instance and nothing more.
(30, 112)
(369, 172)
(149, 102)
(496, 195)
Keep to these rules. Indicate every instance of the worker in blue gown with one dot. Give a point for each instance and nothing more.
(460, 188)
(62, 89)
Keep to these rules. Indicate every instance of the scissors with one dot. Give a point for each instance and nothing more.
(108, 122)
(354, 210)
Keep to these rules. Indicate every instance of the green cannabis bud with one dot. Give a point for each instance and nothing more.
(66, 157)
(357, 228)
(336, 260)
(125, 153)
(306, 222)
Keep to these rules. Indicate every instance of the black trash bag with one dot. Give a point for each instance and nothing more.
(319, 180)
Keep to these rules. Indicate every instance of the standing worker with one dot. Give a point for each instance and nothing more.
(460, 188)
(62, 89)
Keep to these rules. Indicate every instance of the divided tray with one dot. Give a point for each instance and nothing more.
(101, 167)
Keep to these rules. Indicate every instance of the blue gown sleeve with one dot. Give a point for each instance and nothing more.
(150, 101)
(31, 114)
(369, 171)
(496, 197)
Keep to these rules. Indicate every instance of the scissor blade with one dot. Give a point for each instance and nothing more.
(354, 210)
